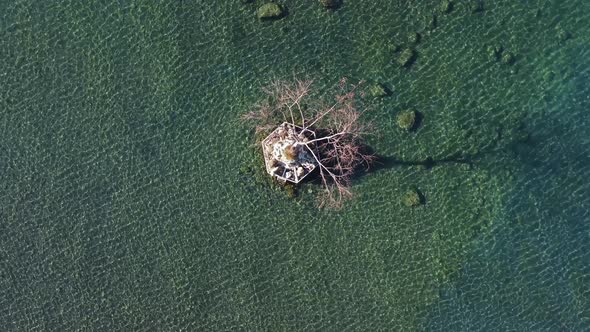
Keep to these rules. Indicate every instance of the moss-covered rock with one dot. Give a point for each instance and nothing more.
(330, 4)
(446, 6)
(407, 57)
(413, 198)
(270, 11)
(377, 90)
(407, 120)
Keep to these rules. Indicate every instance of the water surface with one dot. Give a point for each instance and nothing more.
(132, 197)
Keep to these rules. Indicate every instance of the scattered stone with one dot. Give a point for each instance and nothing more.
(413, 198)
(414, 37)
(269, 11)
(407, 57)
(330, 4)
(377, 90)
(407, 120)
(446, 6)
(508, 58)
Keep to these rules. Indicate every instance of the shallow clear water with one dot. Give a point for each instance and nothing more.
(132, 197)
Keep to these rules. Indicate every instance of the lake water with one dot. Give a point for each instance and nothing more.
(132, 196)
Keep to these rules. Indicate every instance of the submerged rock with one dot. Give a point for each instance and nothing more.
(508, 58)
(413, 198)
(407, 120)
(495, 51)
(407, 57)
(414, 37)
(270, 10)
(377, 90)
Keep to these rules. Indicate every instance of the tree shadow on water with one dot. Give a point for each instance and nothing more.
(386, 162)
(521, 147)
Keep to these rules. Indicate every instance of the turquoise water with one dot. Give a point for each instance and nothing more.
(132, 197)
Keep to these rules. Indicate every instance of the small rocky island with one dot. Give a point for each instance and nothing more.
(308, 135)
(286, 153)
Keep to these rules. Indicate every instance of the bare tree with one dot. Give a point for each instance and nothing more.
(336, 145)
